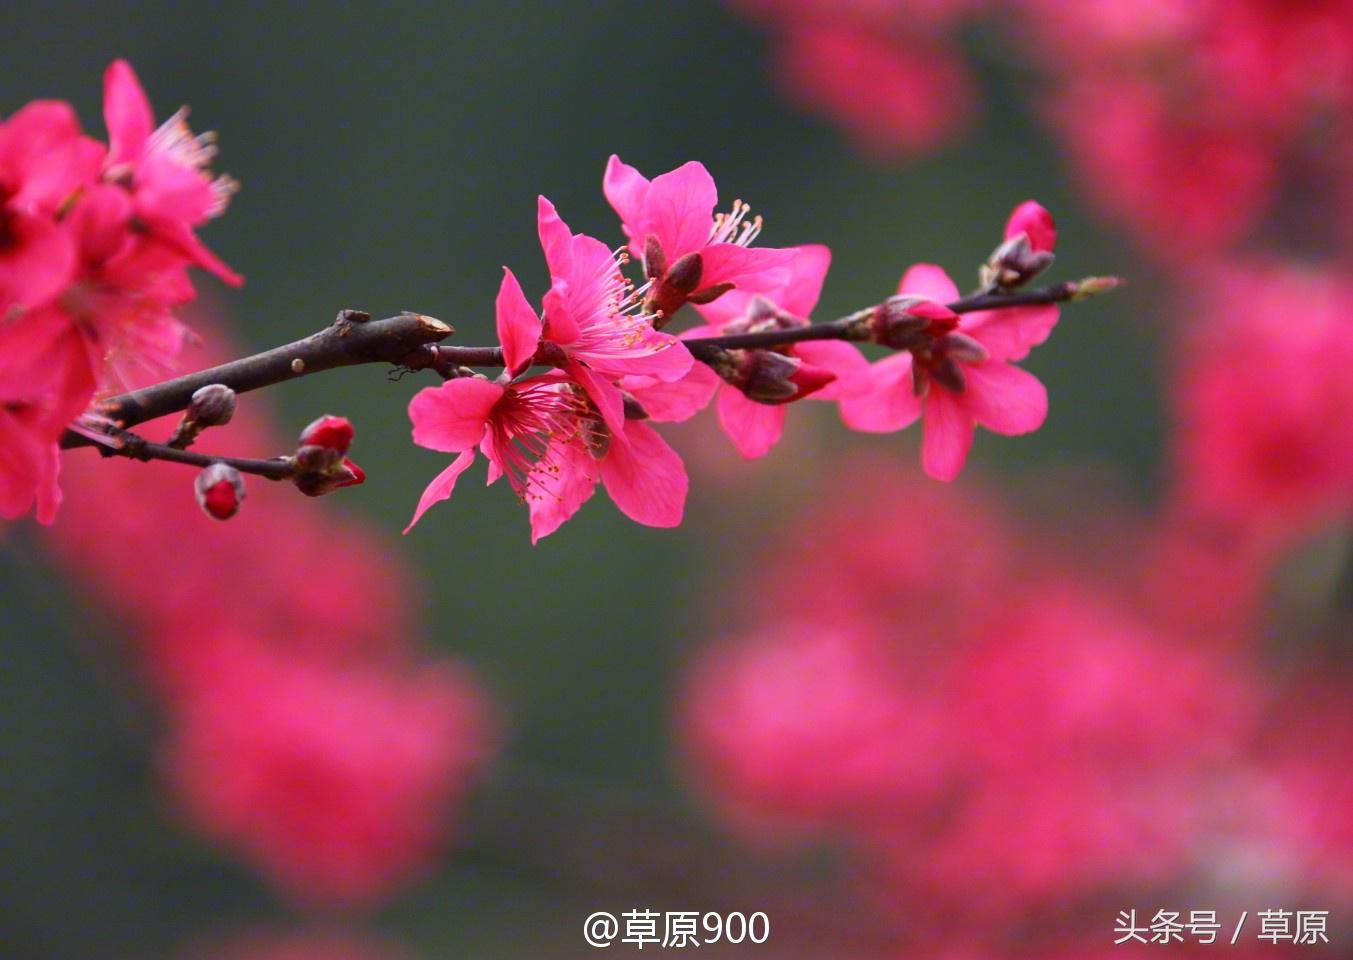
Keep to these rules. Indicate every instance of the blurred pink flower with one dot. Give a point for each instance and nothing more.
(895, 94)
(1263, 400)
(337, 782)
(803, 728)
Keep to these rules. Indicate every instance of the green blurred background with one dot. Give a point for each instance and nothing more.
(390, 157)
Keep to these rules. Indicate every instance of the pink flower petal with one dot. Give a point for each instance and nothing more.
(753, 427)
(605, 394)
(1004, 398)
(1010, 333)
(841, 358)
(36, 264)
(453, 417)
(645, 478)
(948, 434)
(1031, 219)
(889, 404)
(679, 209)
(676, 401)
(126, 113)
(626, 189)
(928, 280)
(556, 239)
(753, 269)
(518, 325)
(442, 486)
(563, 480)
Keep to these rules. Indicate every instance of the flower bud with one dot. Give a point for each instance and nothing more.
(905, 322)
(220, 491)
(1030, 236)
(1093, 286)
(768, 376)
(317, 483)
(1032, 220)
(330, 432)
(210, 406)
(674, 288)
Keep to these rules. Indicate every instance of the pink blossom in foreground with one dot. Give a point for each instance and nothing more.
(44, 159)
(957, 383)
(96, 240)
(689, 253)
(827, 369)
(164, 170)
(335, 781)
(44, 384)
(1264, 401)
(544, 435)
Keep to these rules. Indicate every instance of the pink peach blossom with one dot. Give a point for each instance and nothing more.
(590, 313)
(165, 169)
(988, 389)
(676, 210)
(334, 781)
(755, 427)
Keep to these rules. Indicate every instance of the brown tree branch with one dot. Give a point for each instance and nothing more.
(410, 340)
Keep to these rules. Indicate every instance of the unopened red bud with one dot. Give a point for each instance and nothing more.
(220, 491)
(655, 260)
(330, 432)
(1032, 220)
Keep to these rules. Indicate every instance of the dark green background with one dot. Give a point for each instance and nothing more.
(390, 157)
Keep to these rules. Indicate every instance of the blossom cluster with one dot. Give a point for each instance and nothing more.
(1181, 118)
(96, 240)
(1005, 728)
(303, 731)
(557, 435)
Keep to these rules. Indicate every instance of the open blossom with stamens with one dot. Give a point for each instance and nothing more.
(960, 373)
(164, 169)
(95, 244)
(591, 312)
(546, 435)
(824, 369)
(689, 253)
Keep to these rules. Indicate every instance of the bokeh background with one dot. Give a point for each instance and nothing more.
(390, 156)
